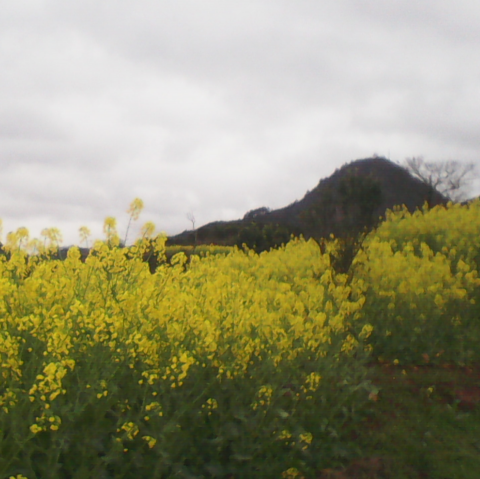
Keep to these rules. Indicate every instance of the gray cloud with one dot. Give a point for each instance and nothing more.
(216, 108)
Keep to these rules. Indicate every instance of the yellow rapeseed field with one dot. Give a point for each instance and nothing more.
(212, 366)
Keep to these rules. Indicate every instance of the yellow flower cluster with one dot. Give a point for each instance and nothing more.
(453, 229)
(229, 311)
(420, 274)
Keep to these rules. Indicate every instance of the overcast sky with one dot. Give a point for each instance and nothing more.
(217, 107)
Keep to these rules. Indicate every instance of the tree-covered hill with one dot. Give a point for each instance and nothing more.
(351, 200)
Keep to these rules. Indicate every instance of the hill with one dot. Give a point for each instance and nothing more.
(351, 200)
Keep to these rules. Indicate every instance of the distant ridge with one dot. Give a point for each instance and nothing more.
(350, 200)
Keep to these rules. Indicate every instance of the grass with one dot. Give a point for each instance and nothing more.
(424, 424)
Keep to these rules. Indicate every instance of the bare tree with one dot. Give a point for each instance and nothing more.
(450, 178)
(191, 218)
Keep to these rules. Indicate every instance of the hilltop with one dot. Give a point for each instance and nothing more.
(351, 200)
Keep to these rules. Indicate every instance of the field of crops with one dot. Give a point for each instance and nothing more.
(229, 365)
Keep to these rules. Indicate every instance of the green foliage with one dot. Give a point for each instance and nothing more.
(419, 427)
(262, 237)
(360, 196)
(347, 209)
(252, 214)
